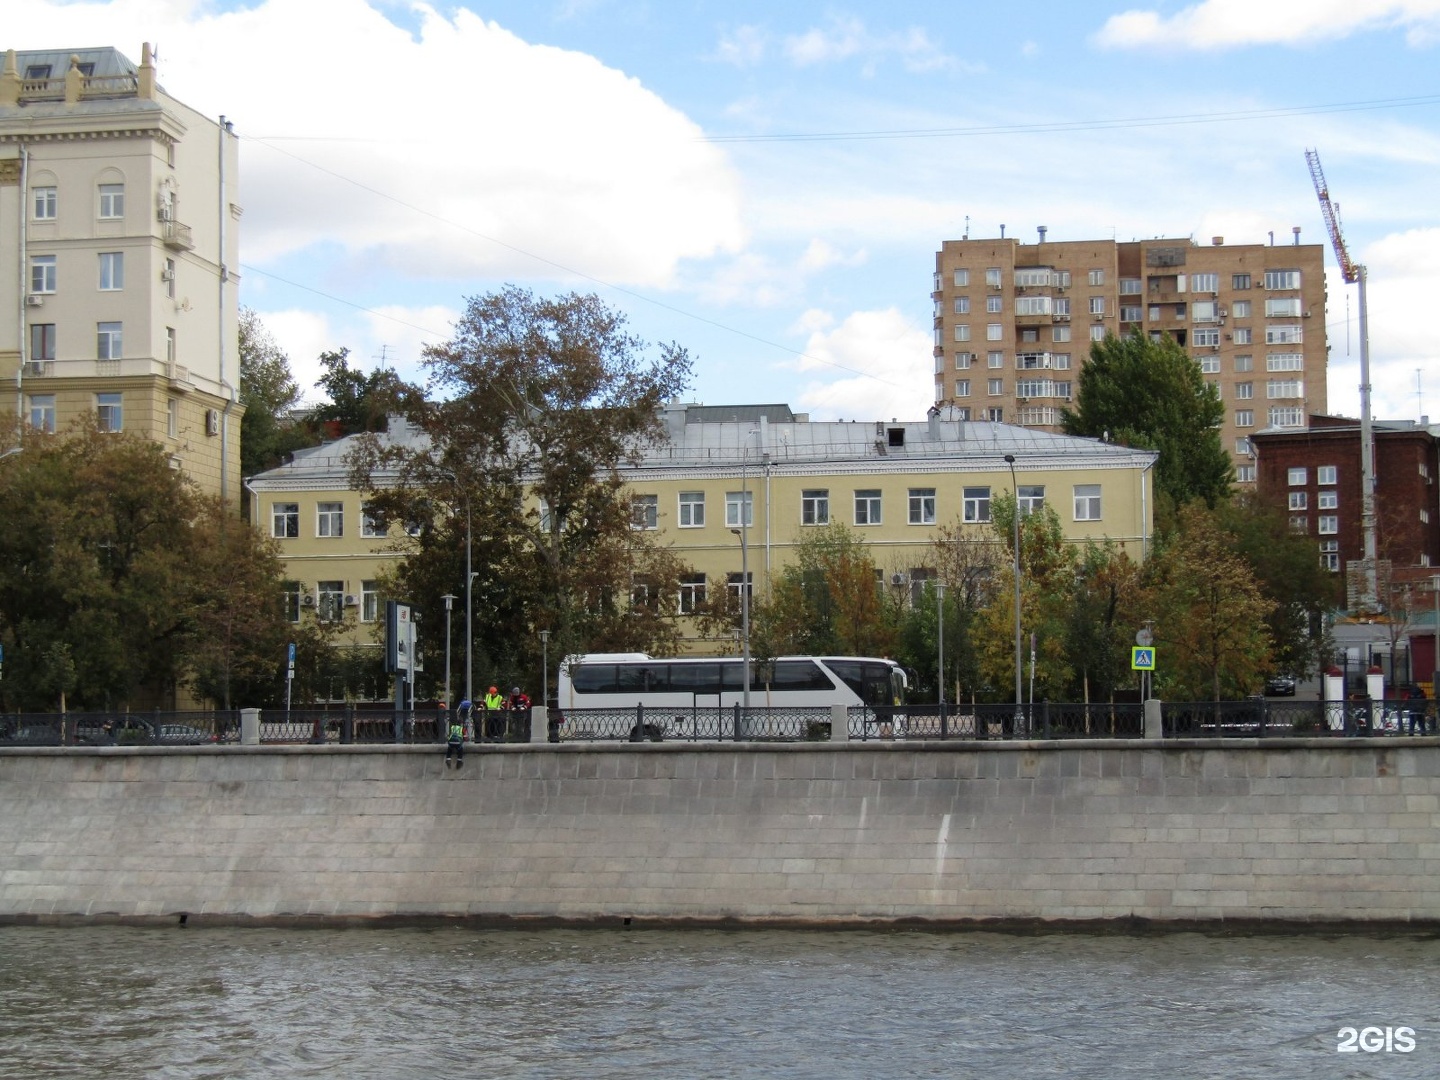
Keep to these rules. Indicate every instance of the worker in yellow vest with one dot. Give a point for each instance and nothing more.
(494, 714)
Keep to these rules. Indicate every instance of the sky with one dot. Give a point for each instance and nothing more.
(767, 184)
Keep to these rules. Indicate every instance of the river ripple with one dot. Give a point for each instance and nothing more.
(122, 1002)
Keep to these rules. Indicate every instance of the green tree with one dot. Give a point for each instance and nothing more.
(1104, 613)
(357, 401)
(1151, 395)
(528, 413)
(269, 393)
(1211, 629)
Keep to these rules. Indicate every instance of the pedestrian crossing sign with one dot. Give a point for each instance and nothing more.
(1142, 658)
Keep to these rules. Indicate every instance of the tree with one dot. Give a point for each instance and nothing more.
(1151, 395)
(269, 392)
(118, 583)
(528, 413)
(1211, 630)
(1103, 616)
(358, 402)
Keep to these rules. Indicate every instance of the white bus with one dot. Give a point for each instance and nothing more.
(671, 687)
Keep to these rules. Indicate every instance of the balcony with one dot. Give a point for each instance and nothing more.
(176, 236)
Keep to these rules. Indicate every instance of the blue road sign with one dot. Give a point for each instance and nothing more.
(1142, 658)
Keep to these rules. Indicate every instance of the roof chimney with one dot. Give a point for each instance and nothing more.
(1042, 230)
(1296, 230)
(1002, 232)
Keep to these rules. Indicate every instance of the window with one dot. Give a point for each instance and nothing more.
(112, 200)
(1154, 312)
(1060, 333)
(1282, 279)
(995, 359)
(1130, 286)
(922, 506)
(962, 279)
(867, 506)
(692, 593)
(373, 523)
(109, 412)
(1032, 498)
(285, 520)
(995, 415)
(1326, 474)
(1284, 335)
(1245, 474)
(1239, 282)
(977, 504)
(735, 583)
(42, 412)
(1241, 335)
(1210, 365)
(692, 509)
(369, 601)
(1060, 361)
(290, 601)
(42, 341)
(109, 341)
(815, 507)
(45, 203)
(1329, 524)
(1240, 309)
(330, 601)
(112, 271)
(1087, 502)
(172, 417)
(645, 512)
(1330, 555)
(1062, 305)
(1296, 477)
(1299, 523)
(1285, 362)
(1244, 363)
(1097, 333)
(992, 277)
(962, 331)
(1097, 277)
(1179, 311)
(1033, 277)
(963, 361)
(734, 500)
(1328, 500)
(994, 305)
(962, 387)
(962, 414)
(330, 519)
(1032, 305)
(1242, 445)
(1097, 305)
(168, 276)
(1030, 334)
(962, 305)
(1204, 282)
(995, 387)
(1282, 307)
(1287, 416)
(1298, 500)
(994, 331)
(1131, 312)
(1285, 388)
(1207, 337)
(42, 274)
(1244, 417)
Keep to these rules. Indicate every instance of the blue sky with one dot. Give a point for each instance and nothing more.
(767, 183)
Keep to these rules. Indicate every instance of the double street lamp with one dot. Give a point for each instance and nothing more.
(1019, 689)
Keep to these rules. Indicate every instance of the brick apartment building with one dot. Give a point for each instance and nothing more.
(1014, 322)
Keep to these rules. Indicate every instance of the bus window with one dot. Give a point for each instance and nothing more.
(695, 678)
(593, 678)
(799, 675)
(850, 672)
(643, 678)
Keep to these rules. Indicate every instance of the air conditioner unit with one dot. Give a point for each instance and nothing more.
(1099, 318)
(1224, 313)
(307, 600)
(351, 600)
(898, 579)
(212, 421)
(167, 274)
(1062, 318)
(34, 301)
(1306, 315)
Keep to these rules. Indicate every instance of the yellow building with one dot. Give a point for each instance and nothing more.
(118, 256)
(1014, 323)
(894, 483)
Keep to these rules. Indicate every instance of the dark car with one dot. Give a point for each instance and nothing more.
(1280, 686)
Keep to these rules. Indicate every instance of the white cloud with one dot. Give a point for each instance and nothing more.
(1403, 278)
(743, 48)
(477, 134)
(846, 37)
(884, 366)
(1220, 24)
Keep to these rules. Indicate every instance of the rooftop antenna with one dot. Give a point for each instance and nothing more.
(967, 227)
(1419, 394)
(384, 356)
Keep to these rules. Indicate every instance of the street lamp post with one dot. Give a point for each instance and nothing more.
(940, 644)
(469, 613)
(545, 668)
(1019, 688)
(449, 599)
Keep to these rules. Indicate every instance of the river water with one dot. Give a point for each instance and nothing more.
(118, 1002)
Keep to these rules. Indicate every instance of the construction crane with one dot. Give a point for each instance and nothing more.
(1355, 275)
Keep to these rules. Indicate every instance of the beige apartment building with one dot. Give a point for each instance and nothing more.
(118, 256)
(761, 466)
(1014, 322)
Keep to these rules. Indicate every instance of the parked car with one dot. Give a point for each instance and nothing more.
(1280, 686)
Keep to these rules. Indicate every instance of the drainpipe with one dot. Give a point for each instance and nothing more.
(1144, 532)
(23, 342)
(225, 385)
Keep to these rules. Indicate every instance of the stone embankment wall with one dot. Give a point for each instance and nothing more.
(1291, 830)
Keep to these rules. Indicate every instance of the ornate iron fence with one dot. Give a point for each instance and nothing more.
(697, 724)
(198, 728)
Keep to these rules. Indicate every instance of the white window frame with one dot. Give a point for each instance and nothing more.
(1283, 307)
(1087, 502)
(962, 305)
(110, 412)
(1327, 474)
(1327, 524)
(1206, 337)
(962, 387)
(733, 501)
(962, 331)
(1327, 500)
(1060, 333)
(1097, 277)
(1205, 282)
(172, 418)
(112, 271)
(109, 341)
(1299, 500)
(691, 597)
(815, 506)
(44, 202)
(645, 512)
(962, 278)
(994, 331)
(373, 525)
(330, 601)
(1297, 476)
(369, 601)
(994, 305)
(690, 510)
(42, 412)
(1282, 280)
(1097, 305)
(43, 274)
(992, 277)
(995, 387)
(284, 520)
(868, 506)
(112, 202)
(330, 520)
(976, 505)
(921, 506)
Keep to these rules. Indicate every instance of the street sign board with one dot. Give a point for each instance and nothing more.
(1142, 658)
(1144, 637)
